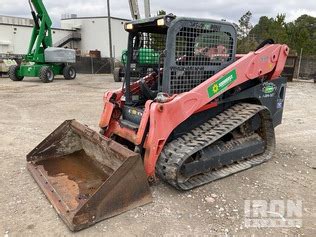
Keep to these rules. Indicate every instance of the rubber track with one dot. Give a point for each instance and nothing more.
(176, 152)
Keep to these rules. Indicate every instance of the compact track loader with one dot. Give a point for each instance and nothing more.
(200, 114)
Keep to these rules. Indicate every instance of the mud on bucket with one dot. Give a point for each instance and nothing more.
(87, 177)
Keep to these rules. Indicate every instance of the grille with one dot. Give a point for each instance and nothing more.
(199, 53)
(147, 55)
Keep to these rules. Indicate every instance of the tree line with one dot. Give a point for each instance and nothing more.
(299, 34)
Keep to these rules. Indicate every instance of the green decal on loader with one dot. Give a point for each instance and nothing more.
(269, 88)
(222, 83)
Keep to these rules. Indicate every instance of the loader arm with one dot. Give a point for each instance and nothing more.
(41, 35)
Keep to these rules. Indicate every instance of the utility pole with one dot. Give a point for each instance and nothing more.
(110, 37)
(133, 6)
(147, 8)
(299, 64)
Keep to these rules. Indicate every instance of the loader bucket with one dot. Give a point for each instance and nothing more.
(87, 177)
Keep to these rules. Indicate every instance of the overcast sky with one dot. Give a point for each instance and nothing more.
(231, 10)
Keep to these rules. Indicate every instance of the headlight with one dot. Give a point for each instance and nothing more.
(129, 26)
(161, 22)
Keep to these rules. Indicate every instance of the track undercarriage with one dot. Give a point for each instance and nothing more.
(236, 139)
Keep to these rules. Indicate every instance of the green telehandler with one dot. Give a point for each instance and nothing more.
(42, 59)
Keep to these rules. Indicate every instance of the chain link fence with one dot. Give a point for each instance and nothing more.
(92, 65)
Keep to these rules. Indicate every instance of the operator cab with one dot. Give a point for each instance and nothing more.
(169, 55)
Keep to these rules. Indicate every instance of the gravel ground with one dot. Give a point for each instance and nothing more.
(30, 110)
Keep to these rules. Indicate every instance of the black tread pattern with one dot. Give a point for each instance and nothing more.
(66, 72)
(176, 152)
(43, 74)
(116, 74)
(13, 73)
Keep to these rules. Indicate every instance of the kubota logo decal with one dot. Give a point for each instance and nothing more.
(215, 88)
(222, 83)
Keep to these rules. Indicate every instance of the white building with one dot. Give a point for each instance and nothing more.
(95, 36)
(82, 33)
(15, 33)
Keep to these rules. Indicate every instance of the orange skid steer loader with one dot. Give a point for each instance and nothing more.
(200, 113)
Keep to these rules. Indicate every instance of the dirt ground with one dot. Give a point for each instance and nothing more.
(30, 110)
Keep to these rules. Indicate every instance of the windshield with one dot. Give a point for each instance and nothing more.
(212, 45)
(147, 54)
